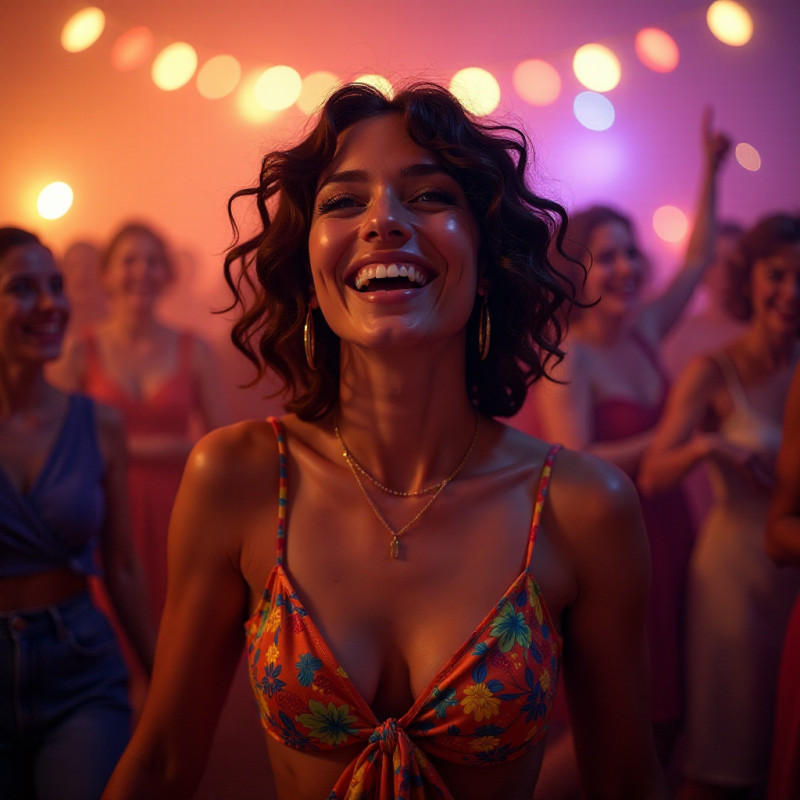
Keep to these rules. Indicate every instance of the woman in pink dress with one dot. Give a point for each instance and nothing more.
(162, 380)
(613, 392)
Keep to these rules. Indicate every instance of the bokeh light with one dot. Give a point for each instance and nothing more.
(670, 223)
(537, 82)
(593, 111)
(278, 87)
(657, 50)
(596, 67)
(748, 156)
(218, 77)
(82, 29)
(174, 66)
(477, 90)
(730, 22)
(54, 200)
(248, 107)
(382, 84)
(316, 88)
(132, 48)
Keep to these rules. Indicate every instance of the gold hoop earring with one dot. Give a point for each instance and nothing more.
(308, 339)
(484, 329)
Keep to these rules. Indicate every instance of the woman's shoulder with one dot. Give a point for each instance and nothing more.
(592, 500)
(235, 454)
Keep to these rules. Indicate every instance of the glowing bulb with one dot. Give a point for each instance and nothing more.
(82, 29)
(278, 87)
(174, 66)
(670, 223)
(54, 200)
(382, 84)
(748, 156)
(657, 50)
(593, 111)
(477, 90)
(730, 22)
(218, 77)
(596, 67)
(246, 103)
(316, 88)
(132, 49)
(537, 82)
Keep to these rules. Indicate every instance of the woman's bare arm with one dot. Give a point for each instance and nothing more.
(659, 316)
(783, 524)
(596, 509)
(224, 493)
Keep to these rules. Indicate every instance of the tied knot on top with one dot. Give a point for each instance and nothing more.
(385, 735)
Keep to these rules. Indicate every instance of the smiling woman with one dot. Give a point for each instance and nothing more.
(401, 288)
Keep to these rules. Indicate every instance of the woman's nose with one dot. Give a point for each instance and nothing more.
(387, 219)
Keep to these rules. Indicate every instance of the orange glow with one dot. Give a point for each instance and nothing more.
(537, 82)
(82, 29)
(657, 50)
(316, 88)
(748, 156)
(218, 77)
(54, 200)
(132, 48)
(596, 67)
(379, 82)
(246, 102)
(174, 66)
(277, 88)
(670, 223)
(730, 22)
(477, 89)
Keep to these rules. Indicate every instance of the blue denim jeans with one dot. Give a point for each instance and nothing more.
(64, 714)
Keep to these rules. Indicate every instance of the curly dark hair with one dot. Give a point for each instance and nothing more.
(11, 237)
(765, 238)
(270, 276)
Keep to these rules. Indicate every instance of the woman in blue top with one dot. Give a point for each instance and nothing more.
(64, 714)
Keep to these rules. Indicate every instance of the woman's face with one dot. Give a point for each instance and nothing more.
(33, 307)
(775, 291)
(393, 244)
(617, 271)
(137, 271)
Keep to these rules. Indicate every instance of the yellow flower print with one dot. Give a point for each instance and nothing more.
(272, 654)
(274, 618)
(484, 744)
(480, 702)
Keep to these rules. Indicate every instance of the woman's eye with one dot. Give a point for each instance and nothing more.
(438, 195)
(336, 202)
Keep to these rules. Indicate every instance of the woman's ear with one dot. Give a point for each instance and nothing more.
(312, 298)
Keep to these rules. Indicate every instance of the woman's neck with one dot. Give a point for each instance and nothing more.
(406, 418)
(598, 328)
(23, 388)
(774, 352)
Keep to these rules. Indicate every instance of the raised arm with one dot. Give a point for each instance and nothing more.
(596, 509)
(664, 311)
(225, 493)
(783, 523)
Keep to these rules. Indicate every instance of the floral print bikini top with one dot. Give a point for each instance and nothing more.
(487, 705)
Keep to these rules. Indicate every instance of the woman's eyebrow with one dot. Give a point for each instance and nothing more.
(361, 176)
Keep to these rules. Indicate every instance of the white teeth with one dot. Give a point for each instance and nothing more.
(379, 271)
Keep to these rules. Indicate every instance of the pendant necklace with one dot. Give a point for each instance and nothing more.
(434, 490)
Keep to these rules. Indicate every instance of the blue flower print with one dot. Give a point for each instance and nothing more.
(307, 665)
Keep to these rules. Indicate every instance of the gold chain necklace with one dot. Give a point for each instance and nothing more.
(435, 489)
